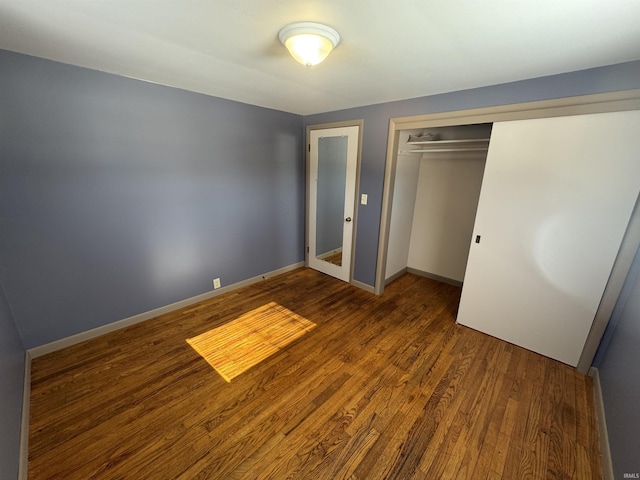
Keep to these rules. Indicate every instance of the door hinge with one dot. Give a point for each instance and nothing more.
(307, 249)
(309, 147)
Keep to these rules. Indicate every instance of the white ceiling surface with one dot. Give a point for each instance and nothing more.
(390, 49)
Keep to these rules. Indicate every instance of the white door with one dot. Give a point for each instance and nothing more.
(557, 195)
(333, 162)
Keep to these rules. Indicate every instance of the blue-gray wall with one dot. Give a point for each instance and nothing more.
(619, 362)
(376, 126)
(11, 387)
(119, 196)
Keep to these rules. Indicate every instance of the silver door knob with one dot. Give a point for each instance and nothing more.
(348, 219)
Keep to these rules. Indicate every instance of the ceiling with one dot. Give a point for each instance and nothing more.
(390, 49)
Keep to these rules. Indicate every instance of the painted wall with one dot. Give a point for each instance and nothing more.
(11, 388)
(119, 196)
(445, 210)
(618, 359)
(376, 125)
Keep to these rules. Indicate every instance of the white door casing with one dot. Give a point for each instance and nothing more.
(556, 198)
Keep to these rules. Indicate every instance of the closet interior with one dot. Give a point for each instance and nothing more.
(435, 197)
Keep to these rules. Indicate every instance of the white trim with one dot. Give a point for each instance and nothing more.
(433, 276)
(395, 276)
(603, 436)
(611, 294)
(141, 317)
(576, 105)
(362, 286)
(422, 273)
(23, 461)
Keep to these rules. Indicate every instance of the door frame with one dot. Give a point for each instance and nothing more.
(578, 105)
(323, 126)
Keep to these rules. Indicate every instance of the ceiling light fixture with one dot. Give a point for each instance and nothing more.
(309, 43)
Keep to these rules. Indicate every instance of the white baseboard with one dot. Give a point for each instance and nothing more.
(112, 327)
(23, 463)
(603, 436)
(433, 276)
(363, 286)
(395, 276)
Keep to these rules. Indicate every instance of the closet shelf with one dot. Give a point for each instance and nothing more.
(439, 150)
(446, 142)
(440, 146)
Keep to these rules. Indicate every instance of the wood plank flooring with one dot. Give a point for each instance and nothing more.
(384, 387)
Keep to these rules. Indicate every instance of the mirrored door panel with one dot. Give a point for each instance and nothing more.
(331, 185)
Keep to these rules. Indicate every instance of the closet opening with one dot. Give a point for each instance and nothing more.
(436, 188)
(503, 121)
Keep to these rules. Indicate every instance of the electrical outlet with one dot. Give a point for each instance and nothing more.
(216, 283)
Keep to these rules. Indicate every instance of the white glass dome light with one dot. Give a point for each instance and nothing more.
(308, 42)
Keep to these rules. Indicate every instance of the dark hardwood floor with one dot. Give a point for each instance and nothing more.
(384, 387)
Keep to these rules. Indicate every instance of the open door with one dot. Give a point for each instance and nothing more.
(333, 160)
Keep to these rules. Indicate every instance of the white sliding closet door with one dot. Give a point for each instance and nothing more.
(557, 195)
